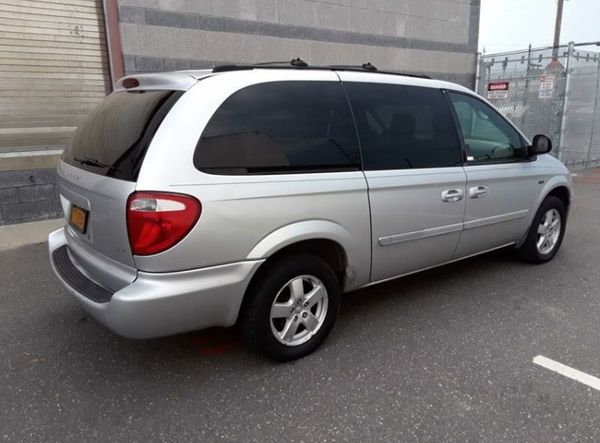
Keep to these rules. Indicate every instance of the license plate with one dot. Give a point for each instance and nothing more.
(78, 218)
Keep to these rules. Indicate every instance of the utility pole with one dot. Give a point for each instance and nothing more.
(557, 26)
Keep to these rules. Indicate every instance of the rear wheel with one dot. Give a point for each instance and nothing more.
(292, 307)
(546, 232)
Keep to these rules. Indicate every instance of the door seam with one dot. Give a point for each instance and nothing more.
(462, 230)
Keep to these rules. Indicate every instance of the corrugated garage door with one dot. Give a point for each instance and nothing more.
(53, 70)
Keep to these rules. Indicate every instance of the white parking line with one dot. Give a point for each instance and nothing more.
(573, 374)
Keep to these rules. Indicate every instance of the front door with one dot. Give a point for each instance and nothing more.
(502, 182)
(413, 165)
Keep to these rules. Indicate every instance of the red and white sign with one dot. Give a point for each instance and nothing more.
(547, 86)
(497, 90)
(498, 86)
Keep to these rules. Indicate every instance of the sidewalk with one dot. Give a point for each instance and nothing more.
(15, 236)
(588, 175)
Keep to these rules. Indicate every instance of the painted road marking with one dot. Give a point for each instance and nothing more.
(573, 374)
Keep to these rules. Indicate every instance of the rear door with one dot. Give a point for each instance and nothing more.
(502, 181)
(98, 172)
(413, 165)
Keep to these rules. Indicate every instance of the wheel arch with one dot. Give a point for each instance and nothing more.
(562, 193)
(307, 230)
(325, 239)
(321, 238)
(558, 186)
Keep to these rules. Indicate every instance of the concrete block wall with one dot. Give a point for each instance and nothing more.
(28, 195)
(434, 37)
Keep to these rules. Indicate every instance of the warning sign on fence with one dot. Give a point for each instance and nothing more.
(497, 90)
(547, 86)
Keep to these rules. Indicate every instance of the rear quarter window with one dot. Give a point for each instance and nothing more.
(280, 127)
(114, 138)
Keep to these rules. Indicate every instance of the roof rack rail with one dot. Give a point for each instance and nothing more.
(294, 63)
(365, 66)
(301, 64)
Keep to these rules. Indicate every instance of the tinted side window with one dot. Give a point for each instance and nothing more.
(280, 127)
(403, 127)
(488, 136)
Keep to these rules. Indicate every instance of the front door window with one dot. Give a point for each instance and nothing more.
(488, 137)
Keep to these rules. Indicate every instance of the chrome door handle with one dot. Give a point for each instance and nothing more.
(452, 195)
(478, 192)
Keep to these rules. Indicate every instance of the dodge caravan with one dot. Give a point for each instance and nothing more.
(256, 195)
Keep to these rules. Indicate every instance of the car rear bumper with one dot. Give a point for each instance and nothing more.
(156, 304)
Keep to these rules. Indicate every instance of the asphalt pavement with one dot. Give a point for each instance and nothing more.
(441, 356)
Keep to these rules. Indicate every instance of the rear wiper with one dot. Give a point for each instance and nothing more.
(90, 162)
(93, 162)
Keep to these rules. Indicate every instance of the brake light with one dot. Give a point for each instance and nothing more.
(129, 83)
(157, 221)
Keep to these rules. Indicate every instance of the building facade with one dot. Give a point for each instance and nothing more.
(59, 58)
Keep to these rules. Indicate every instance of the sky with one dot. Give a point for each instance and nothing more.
(508, 25)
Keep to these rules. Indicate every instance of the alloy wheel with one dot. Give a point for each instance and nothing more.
(299, 310)
(548, 232)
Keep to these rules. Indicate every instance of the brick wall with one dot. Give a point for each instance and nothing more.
(28, 195)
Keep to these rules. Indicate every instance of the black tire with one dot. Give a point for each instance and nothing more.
(255, 322)
(529, 251)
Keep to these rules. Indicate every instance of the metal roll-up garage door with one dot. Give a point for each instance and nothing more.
(53, 70)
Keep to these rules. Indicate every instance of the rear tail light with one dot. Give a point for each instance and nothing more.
(157, 221)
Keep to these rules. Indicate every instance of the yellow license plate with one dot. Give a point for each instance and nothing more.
(78, 218)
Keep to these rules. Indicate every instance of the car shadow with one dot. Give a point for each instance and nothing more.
(91, 357)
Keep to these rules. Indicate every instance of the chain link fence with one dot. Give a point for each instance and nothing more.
(551, 91)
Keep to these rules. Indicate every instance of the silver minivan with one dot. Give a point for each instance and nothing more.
(257, 195)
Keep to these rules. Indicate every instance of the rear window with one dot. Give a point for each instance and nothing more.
(114, 138)
(280, 127)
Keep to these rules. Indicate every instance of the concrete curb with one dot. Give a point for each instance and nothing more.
(15, 236)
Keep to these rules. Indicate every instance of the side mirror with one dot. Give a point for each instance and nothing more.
(541, 145)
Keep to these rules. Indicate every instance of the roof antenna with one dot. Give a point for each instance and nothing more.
(368, 67)
(299, 63)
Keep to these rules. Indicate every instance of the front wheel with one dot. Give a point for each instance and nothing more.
(291, 307)
(546, 232)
